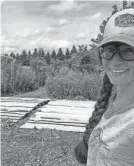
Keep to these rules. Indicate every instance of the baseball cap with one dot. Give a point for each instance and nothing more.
(120, 28)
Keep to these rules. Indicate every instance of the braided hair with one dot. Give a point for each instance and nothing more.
(81, 150)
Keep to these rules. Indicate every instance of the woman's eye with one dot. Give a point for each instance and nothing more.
(124, 51)
(128, 50)
(109, 50)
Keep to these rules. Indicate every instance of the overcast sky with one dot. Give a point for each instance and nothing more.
(51, 24)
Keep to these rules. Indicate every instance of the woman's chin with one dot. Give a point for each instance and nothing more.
(120, 78)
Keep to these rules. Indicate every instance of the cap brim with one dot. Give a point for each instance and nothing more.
(123, 38)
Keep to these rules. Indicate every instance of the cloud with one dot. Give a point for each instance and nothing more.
(7, 50)
(34, 42)
(82, 6)
(67, 5)
(37, 31)
(26, 32)
(93, 17)
(48, 43)
(63, 21)
(12, 44)
(60, 43)
(9, 45)
(96, 30)
(81, 35)
(50, 29)
(7, 42)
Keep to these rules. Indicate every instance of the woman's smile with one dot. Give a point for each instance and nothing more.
(119, 71)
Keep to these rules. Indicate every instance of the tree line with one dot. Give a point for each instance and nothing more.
(25, 56)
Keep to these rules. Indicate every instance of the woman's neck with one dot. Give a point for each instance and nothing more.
(125, 93)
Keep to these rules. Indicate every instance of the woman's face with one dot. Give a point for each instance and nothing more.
(119, 71)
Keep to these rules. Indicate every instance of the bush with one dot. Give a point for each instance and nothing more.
(8, 69)
(91, 85)
(73, 85)
(25, 79)
(5, 83)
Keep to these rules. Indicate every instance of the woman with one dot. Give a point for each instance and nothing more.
(109, 136)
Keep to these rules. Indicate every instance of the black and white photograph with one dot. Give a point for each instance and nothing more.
(67, 83)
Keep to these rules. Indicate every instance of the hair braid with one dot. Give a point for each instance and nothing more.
(81, 150)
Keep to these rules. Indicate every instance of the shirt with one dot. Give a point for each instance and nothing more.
(112, 141)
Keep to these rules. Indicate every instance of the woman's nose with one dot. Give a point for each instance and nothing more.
(116, 59)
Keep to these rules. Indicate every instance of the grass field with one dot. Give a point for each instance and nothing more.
(34, 147)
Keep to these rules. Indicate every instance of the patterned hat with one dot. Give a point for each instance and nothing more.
(120, 28)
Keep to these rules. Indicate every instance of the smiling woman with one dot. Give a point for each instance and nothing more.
(118, 62)
(109, 136)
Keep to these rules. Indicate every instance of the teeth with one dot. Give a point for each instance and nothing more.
(118, 71)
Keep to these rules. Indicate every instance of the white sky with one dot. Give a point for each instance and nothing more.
(51, 24)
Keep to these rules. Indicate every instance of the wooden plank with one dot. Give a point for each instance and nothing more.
(45, 111)
(60, 114)
(18, 104)
(19, 99)
(53, 121)
(55, 117)
(65, 103)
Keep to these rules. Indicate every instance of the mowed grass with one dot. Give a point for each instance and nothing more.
(34, 147)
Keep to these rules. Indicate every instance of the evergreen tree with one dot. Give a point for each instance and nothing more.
(73, 50)
(29, 53)
(29, 56)
(12, 55)
(60, 55)
(41, 52)
(35, 53)
(102, 26)
(5, 54)
(54, 55)
(17, 55)
(132, 4)
(18, 58)
(48, 58)
(25, 58)
(115, 7)
(67, 54)
(125, 3)
(82, 48)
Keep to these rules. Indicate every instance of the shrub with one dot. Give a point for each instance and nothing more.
(91, 84)
(8, 69)
(25, 79)
(73, 85)
(5, 83)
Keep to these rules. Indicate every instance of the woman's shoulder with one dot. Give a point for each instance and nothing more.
(126, 117)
